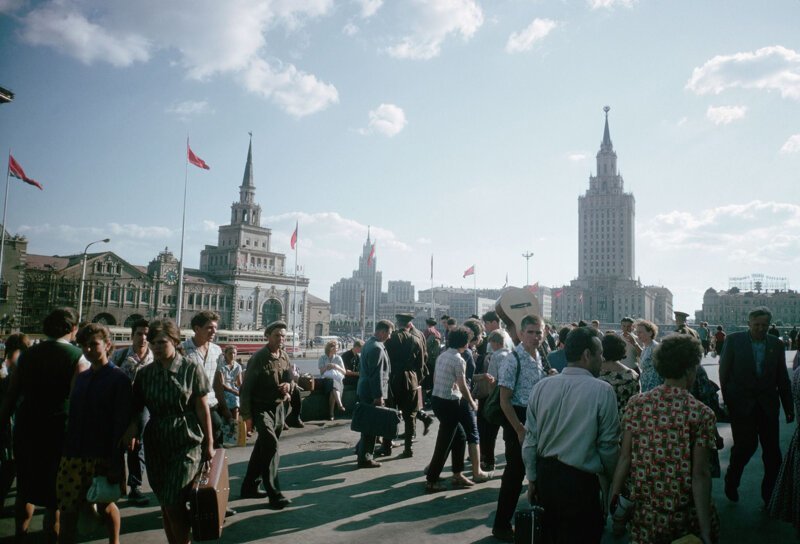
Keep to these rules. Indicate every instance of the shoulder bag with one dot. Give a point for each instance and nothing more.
(492, 411)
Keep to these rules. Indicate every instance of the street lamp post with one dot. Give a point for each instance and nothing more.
(527, 256)
(83, 275)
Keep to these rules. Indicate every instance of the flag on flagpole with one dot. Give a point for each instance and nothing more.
(194, 159)
(558, 292)
(371, 255)
(534, 288)
(469, 271)
(16, 171)
(294, 235)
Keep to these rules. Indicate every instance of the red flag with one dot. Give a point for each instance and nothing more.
(559, 292)
(16, 171)
(371, 255)
(469, 271)
(194, 159)
(534, 288)
(294, 235)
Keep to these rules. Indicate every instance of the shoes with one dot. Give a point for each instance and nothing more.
(487, 466)
(285, 427)
(406, 454)
(230, 512)
(251, 492)
(731, 491)
(297, 423)
(137, 497)
(383, 452)
(368, 463)
(462, 481)
(427, 425)
(434, 487)
(503, 535)
(279, 502)
(482, 477)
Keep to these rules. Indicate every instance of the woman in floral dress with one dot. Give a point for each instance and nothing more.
(785, 502)
(667, 441)
(646, 333)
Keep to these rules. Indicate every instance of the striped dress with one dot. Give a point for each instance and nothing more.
(173, 436)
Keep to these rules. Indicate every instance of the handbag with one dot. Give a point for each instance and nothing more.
(481, 387)
(103, 491)
(492, 411)
(375, 420)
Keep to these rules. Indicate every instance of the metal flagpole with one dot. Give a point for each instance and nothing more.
(475, 289)
(433, 299)
(5, 207)
(294, 316)
(374, 289)
(183, 233)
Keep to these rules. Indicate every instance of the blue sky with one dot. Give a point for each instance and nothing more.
(465, 129)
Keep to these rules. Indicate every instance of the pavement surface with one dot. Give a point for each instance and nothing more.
(333, 501)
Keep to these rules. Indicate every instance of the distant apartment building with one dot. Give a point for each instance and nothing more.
(360, 294)
(730, 308)
(400, 291)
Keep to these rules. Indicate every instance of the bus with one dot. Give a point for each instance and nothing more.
(246, 342)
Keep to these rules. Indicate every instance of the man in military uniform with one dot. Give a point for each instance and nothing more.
(264, 393)
(681, 327)
(406, 349)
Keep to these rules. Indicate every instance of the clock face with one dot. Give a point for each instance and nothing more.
(171, 277)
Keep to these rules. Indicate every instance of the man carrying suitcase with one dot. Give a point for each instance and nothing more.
(373, 385)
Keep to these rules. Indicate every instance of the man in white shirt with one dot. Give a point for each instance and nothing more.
(572, 436)
(632, 347)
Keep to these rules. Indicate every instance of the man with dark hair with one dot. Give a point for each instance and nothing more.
(406, 350)
(352, 361)
(572, 435)
(41, 384)
(263, 396)
(445, 329)
(558, 359)
(754, 381)
(130, 360)
(373, 385)
(632, 347)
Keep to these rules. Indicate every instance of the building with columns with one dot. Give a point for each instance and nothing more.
(240, 278)
(606, 288)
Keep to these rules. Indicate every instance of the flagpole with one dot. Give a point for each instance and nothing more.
(294, 316)
(183, 233)
(433, 299)
(5, 207)
(475, 289)
(374, 290)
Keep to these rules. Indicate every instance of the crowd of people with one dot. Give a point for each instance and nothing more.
(615, 424)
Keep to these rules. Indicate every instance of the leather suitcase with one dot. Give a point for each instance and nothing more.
(375, 420)
(208, 498)
(528, 525)
(306, 382)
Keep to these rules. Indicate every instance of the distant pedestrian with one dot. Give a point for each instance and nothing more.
(719, 340)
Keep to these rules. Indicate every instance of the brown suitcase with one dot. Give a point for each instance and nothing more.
(208, 498)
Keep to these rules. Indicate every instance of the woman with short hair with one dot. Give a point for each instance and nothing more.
(646, 332)
(331, 366)
(668, 437)
(177, 438)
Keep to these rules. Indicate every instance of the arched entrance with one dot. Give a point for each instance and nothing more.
(105, 319)
(271, 311)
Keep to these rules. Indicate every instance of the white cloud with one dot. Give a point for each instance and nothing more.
(792, 145)
(576, 157)
(609, 4)
(71, 32)
(524, 40)
(7, 6)
(773, 68)
(369, 7)
(208, 38)
(425, 241)
(189, 108)
(755, 233)
(682, 121)
(386, 119)
(349, 29)
(435, 21)
(298, 93)
(724, 115)
(209, 225)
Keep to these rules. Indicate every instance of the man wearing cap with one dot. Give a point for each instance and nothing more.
(406, 349)
(266, 388)
(681, 327)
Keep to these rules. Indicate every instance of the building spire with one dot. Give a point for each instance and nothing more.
(247, 181)
(606, 145)
(368, 227)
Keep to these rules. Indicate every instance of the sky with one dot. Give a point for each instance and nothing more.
(459, 129)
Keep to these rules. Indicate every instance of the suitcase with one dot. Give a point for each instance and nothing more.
(208, 498)
(306, 382)
(528, 525)
(375, 420)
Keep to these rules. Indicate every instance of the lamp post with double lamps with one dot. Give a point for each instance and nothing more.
(83, 275)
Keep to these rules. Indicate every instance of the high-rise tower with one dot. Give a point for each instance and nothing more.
(606, 215)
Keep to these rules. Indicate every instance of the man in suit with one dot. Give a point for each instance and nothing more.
(754, 380)
(373, 385)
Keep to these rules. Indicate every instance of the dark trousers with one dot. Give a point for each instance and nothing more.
(573, 511)
(449, 436)
(409, 421)
(488, 433)
(747, 432)
(135, 461)
(265, 458)
(296, 405)
(216, 426)
(366, 445)
(513, 475)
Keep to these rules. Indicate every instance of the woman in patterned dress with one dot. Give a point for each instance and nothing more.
(667, 441)
(646, 333)
(785, 502)
(177, 436)
(624, 380)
